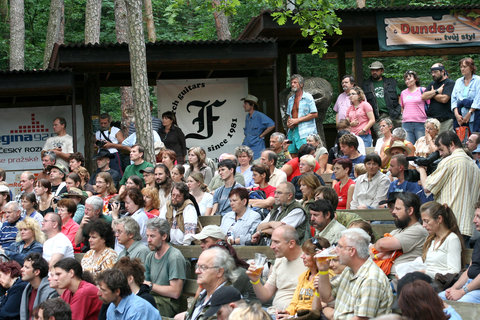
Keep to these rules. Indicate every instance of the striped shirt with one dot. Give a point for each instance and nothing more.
(364, 294)
(456, 182)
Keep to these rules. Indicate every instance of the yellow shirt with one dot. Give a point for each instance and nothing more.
(303, 297)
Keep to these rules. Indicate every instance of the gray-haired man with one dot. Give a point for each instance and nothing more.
(127, 231)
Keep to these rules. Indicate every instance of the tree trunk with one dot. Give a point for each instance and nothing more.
(4, 10)
(93, 11)
(221, 23)
(53, 30)
(152, 36)
(17, 35)
(138, 70)
(121, 27)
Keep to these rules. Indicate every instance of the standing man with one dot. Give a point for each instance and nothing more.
(343, 101)
(439, 93)
(165, 269)
(127, 231)
(277, 176)
(103, 159)
(57, 246)
(302, 112)
(136, 156)
(277, 139)
(221, 202)
(322, 218)
(35, 272)
(362, 291)
(257, 126)
(409, 236)
(110, 138)
(61, 144)
(113, 290)
(456, 181)
(382, 93)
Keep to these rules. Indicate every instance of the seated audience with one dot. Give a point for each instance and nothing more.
(306, 165)
(196, 163)
(245, 157)
(85, 177)
(329, 194)
(277, 176)
(292, 167)
(443, 250)
(348, 144)
(178, 173)
(57, 246)
(466, 288)
(8, 230)
(372, 187)
(103, 158)
(43, 190)
(282, 281)
(149, 177)
(199, 190)
(322, 218)
(127, 232)
(13, 285)
(343, 185)
(35, 272)
(78, 197)
(66, 209)
(54, 309)
(386, 127)
(82, 296)
(93, 211)
(30, 206)
(240, 223)
(362, 290)
(321, 153)
(163, 180)
(152, 201)
(226, 171)
(29, 239)
(303, 296)
(223, 301)
(182, 215)
(209, 236)
(169, 158)
(101, 255)
(425, 145)
(400, 135)
(165, 269)
(115, 291)
(134, 271)
(249, 311)
(409, 236)
(218, 181)
(105, 189)
(261, 177)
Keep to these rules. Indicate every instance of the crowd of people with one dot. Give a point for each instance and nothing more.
(107, 242)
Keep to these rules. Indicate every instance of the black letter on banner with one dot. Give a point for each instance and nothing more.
(205, 114)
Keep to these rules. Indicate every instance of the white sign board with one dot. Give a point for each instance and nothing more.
(23, 132)
(208, 111)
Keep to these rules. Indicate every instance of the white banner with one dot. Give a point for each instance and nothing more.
(208, 111)
(23, 132)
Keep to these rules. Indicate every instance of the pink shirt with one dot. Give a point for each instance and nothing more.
(360, 114)
(342, 105)
(413, 106)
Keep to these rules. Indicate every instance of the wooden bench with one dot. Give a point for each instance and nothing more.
(243, 252)
(372, 214)
(210, 220)
(327, 178)
(369, 150)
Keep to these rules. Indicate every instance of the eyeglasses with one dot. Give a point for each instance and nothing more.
(352, 94)
(316, 243)
(341, 247)
(204, 268)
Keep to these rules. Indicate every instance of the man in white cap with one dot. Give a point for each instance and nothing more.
(209, 236)
(257, 126)
(382, 93)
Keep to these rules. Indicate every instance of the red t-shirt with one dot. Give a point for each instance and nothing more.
(31, 301)
(294, 163)
(269, 190)
(343, 194)
(84, 303)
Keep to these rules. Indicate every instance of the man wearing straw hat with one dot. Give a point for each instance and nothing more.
(257, 126)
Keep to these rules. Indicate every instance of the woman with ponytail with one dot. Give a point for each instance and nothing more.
(443, 251)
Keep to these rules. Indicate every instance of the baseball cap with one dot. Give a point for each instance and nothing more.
(222, 296)
(210, 231)
(251, 98)
(4, 188)
(148, 170)
(376, 65)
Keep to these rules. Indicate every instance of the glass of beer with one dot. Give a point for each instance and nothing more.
(328, 253)
(259, 262)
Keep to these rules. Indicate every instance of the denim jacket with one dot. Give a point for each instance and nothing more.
(17, 252)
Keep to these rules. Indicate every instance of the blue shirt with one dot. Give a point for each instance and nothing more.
(243, 228)
(8, 233)
(221, 197)
(305, 107)
(408, 186)
(247, 175)
(133, 307)
(461, 92)
(254, 126)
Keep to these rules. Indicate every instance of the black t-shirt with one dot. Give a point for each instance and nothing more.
(474, 269)
(438, 110)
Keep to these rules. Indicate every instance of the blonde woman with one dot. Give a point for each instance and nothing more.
(196, 161)
(29, 239)
(199, 190)
(152, 201)
(426, 144)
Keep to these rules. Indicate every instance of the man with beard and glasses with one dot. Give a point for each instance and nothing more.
(409, 236)
(163, 180)
(181, 213)
(165, 269)
(439, 92)
(456, 181)
(301, 111)
(362, 291)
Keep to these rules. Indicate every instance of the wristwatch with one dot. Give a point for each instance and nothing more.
(436, 91)
(465, 289)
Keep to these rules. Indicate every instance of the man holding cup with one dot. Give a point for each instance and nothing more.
(282, 282)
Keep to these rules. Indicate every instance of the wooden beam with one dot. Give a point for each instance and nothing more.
(358, 60)
(408, 53)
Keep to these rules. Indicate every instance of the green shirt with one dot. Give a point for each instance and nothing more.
(380, 95)
(134, 169)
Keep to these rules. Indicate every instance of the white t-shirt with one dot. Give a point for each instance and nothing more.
(57, 244)
(446, 258)
(177, 237)
(111, 134)
(65, 142)
(206, 202)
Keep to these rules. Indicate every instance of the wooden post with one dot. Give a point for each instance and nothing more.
(91, 106)
(341, 68)
(357, 51)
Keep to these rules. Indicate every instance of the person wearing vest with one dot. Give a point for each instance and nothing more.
(286, 210)
(182, 214)
(382, 93)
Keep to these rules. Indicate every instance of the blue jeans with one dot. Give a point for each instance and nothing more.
(367, 139)
(472, 297)
(415, 130)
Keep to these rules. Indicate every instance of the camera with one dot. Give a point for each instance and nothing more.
(100, 143)
(430, 162)
(56, 199)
